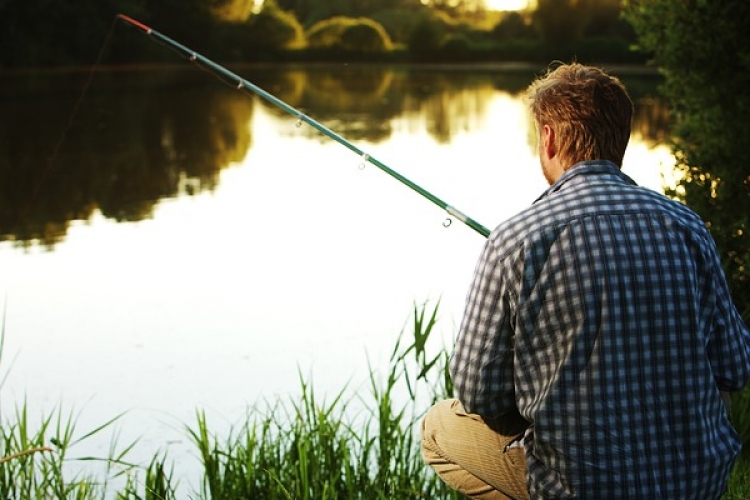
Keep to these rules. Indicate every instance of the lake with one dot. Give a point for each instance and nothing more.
(176, 244)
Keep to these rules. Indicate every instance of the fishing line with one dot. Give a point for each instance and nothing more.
(247, 87)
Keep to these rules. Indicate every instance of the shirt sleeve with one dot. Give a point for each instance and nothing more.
(482, 361)
(728, 344)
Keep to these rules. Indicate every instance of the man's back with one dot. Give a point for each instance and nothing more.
(598, 333)
(622, 328)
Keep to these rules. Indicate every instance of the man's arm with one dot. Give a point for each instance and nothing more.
(482, 361)
(729, 342)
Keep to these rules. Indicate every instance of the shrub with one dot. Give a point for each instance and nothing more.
(456, 47)
(513, 26)
(273, 28)
(426, 38)
(349, 34)
(365, 36)
(398, 23)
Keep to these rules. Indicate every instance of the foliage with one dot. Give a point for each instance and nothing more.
(365, 36)
(34, 457)
(157, 483)
(602, 50)
(457, 8)
(456, 47)
(48, 33)
(739, 482)
(561, 22)
(429, 33)
(311, 11)
(273, 28)
(312, 449)
(513, 26)
(703, 50)
(34, 464)
(189, 21)
(349, 34)
(398, 23)
(605, 19)
(231, 10)
(327, 33)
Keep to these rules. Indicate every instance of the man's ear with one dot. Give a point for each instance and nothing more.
(549, 142)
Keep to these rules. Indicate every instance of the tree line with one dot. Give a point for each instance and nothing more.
(48, 33)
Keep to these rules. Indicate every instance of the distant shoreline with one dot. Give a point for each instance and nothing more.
(500, 66)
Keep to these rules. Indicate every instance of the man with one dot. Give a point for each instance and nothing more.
(598, 334)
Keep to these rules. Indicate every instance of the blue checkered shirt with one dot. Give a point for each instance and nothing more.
(602, 314)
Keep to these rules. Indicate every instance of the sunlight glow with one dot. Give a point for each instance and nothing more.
(507, 4)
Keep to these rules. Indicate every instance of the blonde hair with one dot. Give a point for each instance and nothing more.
(589, 110)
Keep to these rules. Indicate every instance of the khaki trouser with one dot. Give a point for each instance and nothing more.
(472, 454)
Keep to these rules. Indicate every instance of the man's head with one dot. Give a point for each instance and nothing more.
(581, 113)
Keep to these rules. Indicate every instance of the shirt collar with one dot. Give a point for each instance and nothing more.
(604, 169)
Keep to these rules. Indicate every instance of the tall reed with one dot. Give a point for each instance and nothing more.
(311, 449)
(34, 460)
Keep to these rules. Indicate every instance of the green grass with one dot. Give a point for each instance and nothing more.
(739, 481)
(363, 447)
(360, 444)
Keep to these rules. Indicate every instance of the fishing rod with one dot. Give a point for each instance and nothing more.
(242, 84)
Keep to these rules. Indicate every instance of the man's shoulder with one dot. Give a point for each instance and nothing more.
(587, 201)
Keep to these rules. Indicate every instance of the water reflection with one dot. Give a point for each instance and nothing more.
(136, 138)
(142, 136)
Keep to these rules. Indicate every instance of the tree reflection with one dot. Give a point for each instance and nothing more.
(354, 101)
(447, 104)
(140, 136)
(359, 102)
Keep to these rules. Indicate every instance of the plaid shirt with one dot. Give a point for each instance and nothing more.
(602, 313)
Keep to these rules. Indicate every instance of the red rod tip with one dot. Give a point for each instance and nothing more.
(134, 22)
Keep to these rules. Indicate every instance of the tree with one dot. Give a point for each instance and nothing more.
(457, 7)
(397, 22)
(311, 11)
(703, 51)
(349, 34)
(428, 34)
(365, 36)
(232, 10)
(273, 28)
(189, 21)
(606, 19)
(512, 26)
(562, 22)
(53, 33)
